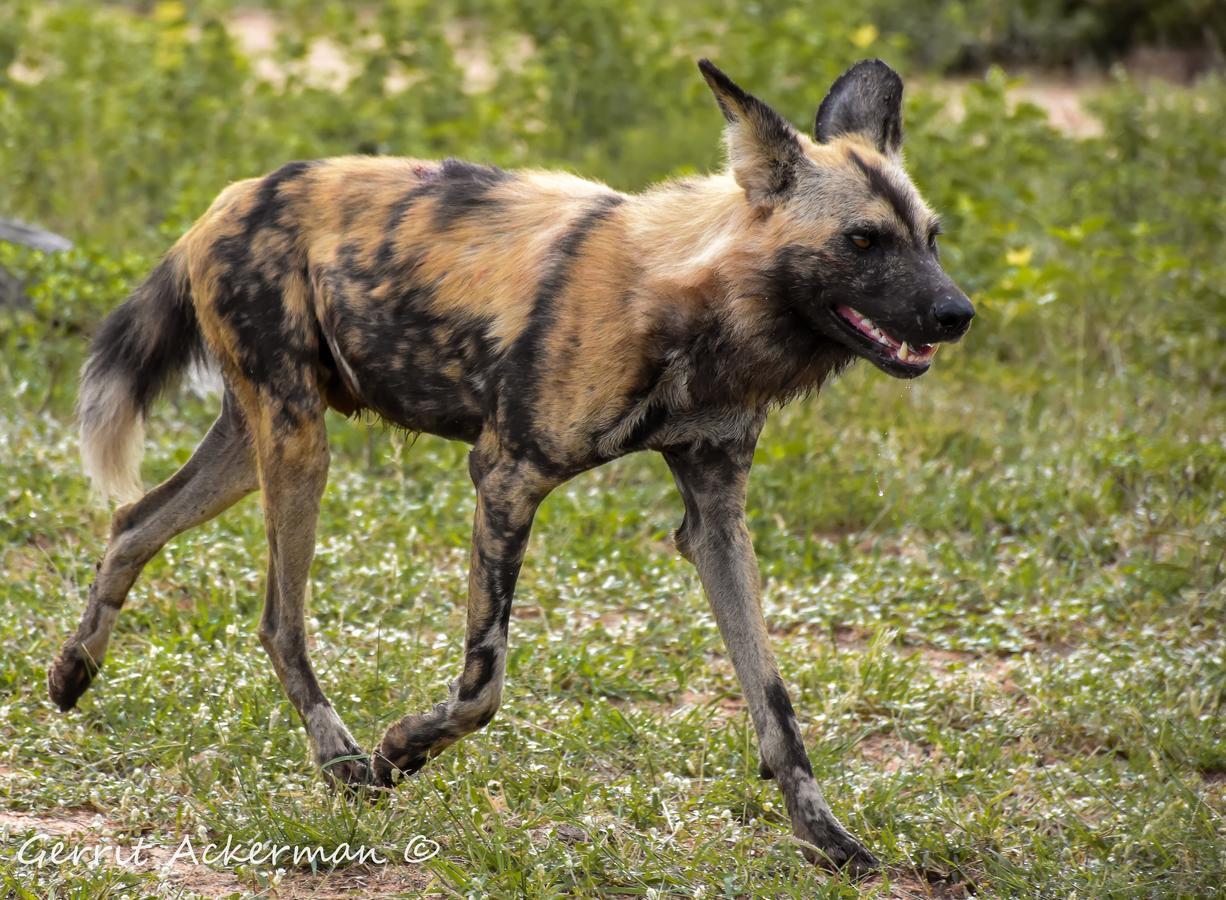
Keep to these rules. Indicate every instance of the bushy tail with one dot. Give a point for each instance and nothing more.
(139, 350)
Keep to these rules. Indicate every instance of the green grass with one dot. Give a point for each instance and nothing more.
(1005, 640)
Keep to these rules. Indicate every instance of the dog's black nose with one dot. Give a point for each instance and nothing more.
(953, 314)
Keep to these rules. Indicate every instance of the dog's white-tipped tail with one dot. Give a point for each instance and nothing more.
(138, 351)
(112, 435)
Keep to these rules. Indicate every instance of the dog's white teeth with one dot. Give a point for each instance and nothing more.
(904, 352)
(870, 329)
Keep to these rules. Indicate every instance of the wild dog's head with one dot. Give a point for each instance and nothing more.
(845, 240)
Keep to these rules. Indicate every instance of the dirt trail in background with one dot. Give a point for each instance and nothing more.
(1063, 100)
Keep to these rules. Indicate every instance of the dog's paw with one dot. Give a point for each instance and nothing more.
(350, 772)
(827, 843)
(70, 675)
(391, 765)
(409, 743)
(335, 751)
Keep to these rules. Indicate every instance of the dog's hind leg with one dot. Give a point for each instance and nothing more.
(714, 537)
(508, 494)
(292, 457)
(219, 473)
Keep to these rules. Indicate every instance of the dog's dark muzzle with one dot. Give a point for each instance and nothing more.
(951, 315)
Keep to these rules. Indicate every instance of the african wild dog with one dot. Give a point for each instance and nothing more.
(552, 323)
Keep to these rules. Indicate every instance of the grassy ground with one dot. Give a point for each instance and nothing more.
(1000, 607)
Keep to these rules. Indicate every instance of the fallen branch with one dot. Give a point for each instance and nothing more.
(32, 236)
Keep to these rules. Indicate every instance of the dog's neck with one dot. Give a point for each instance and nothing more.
(703, 302)
(684, 230)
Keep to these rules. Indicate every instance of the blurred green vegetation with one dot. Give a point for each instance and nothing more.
(118, 128)
(968, 34)
(998, 589)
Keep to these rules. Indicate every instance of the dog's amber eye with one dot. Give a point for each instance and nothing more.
(863, 241)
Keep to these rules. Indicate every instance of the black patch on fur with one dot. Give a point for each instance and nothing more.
(481, 662)
(803, 281)
(881, 186)
(795, 277)
(794, 285)
(385, 255)
(504, 527)
(520, 370)
(504, 614)
(463, 190)
(150, 338)
(500, 573)
(865, 100)
(400, 350)
(785, 717)
(272, 355)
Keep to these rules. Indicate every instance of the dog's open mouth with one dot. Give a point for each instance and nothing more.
(884, 346)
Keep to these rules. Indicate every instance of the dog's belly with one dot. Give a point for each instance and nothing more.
(417, 381)
(428, 409)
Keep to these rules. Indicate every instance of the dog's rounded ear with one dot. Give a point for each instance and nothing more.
(865, 100)
(763, 148)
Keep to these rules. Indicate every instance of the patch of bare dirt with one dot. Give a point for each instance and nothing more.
(373, 881)
(954, 665)
(325, 65)
(1063, 100)
(888, 753)
(913, 885)
(93, 835)
(1064, 103)
(59, 823)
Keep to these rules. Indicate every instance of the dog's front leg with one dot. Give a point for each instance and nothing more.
(714, 537)
(508, 493)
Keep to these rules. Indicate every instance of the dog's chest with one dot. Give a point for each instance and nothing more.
(680, 409)
(715, 426)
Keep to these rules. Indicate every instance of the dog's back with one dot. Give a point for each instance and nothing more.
(407, 285)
